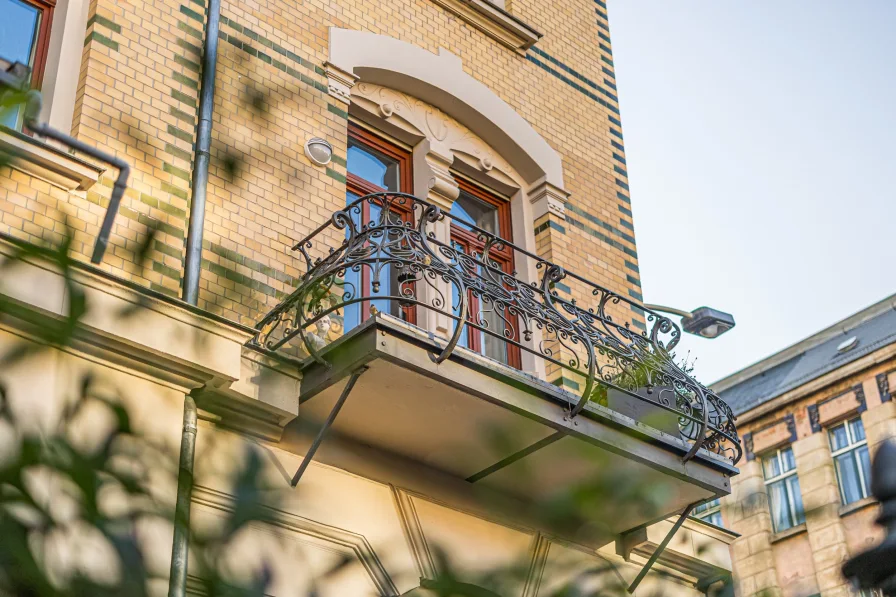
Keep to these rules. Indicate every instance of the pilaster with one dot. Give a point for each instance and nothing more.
(821, 500)
(747, 513)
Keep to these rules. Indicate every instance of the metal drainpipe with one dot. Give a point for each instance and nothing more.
(193, 261)
(177, 583)
(33, 106)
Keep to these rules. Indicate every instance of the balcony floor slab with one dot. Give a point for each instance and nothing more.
(491, 426)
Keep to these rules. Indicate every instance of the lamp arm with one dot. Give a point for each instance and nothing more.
(679, 312)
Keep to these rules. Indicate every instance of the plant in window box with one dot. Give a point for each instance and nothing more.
(641, 380)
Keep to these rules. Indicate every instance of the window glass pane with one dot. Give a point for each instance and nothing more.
(707, 506)
(490, 317)
(474, 211)
(848, 475)
(18, 31)
(857, 429)
(386, 274)
(384, 278)
(839, 439)
(780, 507)
(787, 459)
(374, 167)
(715, 518)
(770, 466)
(793, 487)
(19, 24)
(865, 463)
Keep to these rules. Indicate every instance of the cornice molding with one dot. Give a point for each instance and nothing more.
(841, 328)
(819, 383)
(495, 22)
(48, 163)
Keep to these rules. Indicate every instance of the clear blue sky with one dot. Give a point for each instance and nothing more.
(760, 137)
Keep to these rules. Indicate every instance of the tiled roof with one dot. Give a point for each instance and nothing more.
(873, 329)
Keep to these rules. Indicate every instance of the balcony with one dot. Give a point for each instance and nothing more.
(446, 344)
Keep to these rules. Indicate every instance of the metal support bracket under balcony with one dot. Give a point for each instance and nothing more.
(309, 455)
(662, 547)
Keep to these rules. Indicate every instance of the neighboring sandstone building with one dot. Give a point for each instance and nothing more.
(342, 133)
(812, 417)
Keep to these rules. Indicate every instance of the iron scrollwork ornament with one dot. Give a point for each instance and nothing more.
(381, 254)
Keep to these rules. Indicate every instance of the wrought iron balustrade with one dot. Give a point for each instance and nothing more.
(383, 253)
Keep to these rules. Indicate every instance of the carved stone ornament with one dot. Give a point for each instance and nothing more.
(421, 119)
(814, 421)
(860, 397)
(883, 385)
(546, 198)
(791, 426)
(339, 82)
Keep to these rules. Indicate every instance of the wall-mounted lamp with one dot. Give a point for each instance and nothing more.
(319, 151)
(705, 322)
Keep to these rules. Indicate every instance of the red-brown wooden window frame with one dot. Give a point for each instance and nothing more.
(42, 43)
(359, 186)
(471, 243)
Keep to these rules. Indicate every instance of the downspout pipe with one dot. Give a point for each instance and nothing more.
(202, 155)
(180, 548)
(33, 105)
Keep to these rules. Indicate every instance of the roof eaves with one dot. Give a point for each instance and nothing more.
(843, 326)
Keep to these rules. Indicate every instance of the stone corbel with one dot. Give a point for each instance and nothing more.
(340, 82)
(434, 182)
(547, 198)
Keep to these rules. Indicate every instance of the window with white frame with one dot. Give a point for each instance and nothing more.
(711, 512)
(849, 449)
(783, 487)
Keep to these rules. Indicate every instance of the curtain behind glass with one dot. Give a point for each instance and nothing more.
(779, 505)
(848, 473)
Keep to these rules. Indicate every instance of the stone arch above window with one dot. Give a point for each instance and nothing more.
(440, 81)
(448, 143)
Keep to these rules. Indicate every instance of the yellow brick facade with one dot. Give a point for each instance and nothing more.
(137, 98)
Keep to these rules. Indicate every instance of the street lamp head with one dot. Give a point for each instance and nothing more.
(707, 323)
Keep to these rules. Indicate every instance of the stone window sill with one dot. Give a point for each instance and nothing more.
(791, 532)
(495, 22)
(856, 506)
(47, 162)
